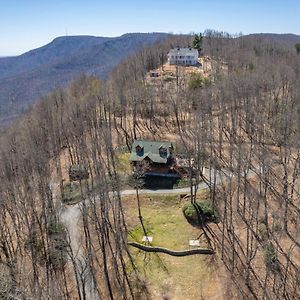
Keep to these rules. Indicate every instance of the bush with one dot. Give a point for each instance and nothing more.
(78, 172)
(58, 248)
(55, 227)
(71, 193)
(182, 183)
(200, 213)
(270, 257)
(198, 81)
(297, 47)
(168, 78)
(58, 252)
(263, 232)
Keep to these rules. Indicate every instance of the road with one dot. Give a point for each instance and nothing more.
(202, 186)
(70, 215)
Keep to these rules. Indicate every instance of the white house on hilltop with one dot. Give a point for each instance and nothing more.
(183, 56)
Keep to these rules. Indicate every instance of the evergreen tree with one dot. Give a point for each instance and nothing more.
(197, 42)
(297, 46)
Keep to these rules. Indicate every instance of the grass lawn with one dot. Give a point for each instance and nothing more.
(179, 277)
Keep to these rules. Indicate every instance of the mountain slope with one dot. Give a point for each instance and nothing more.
(287, 38)
(25, 78)
(59, 49)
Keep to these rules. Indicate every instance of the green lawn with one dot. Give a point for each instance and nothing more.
(165, 222)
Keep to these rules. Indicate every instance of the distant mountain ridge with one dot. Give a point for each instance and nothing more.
(59, 49)
(287, 38)
(26, 77)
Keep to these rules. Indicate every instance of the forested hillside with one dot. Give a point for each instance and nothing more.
(25, 78)
(238, 116)
(289, 39)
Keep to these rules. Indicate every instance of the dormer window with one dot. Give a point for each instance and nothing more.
(163, 152)
(139, 150)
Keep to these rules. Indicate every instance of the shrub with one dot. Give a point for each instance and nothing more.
(297, 47)
(78, 172)
(200, 213)
(168, 78)
(57, 251)
(263, 232)
(55, 227)
(71, 193)
(198, 81)
(182, 183)
(270, 257)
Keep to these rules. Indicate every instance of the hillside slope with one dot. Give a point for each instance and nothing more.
(288, 38)
(25, 78)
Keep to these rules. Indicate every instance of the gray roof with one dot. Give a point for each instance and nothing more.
(150, 150)
(183, 51)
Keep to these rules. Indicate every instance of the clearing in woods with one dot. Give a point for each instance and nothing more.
(164, 221)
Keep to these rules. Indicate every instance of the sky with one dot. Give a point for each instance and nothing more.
(28, 24)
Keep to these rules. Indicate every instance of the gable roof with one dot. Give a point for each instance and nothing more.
(150, 150)
(183, 51)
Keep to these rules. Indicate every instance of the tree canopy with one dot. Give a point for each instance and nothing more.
(297, 46)
(197, 42)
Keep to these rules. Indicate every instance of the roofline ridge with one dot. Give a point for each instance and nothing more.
(158, 141)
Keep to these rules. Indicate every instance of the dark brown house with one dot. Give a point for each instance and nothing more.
(154, 161)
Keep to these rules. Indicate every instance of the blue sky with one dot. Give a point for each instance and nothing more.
(28, 24)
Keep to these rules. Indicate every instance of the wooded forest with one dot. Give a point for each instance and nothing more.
(243, 120)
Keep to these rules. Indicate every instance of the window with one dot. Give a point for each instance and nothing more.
(163, 152)
(139, 150)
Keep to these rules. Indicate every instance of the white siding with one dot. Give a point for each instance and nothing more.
(183, 56)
